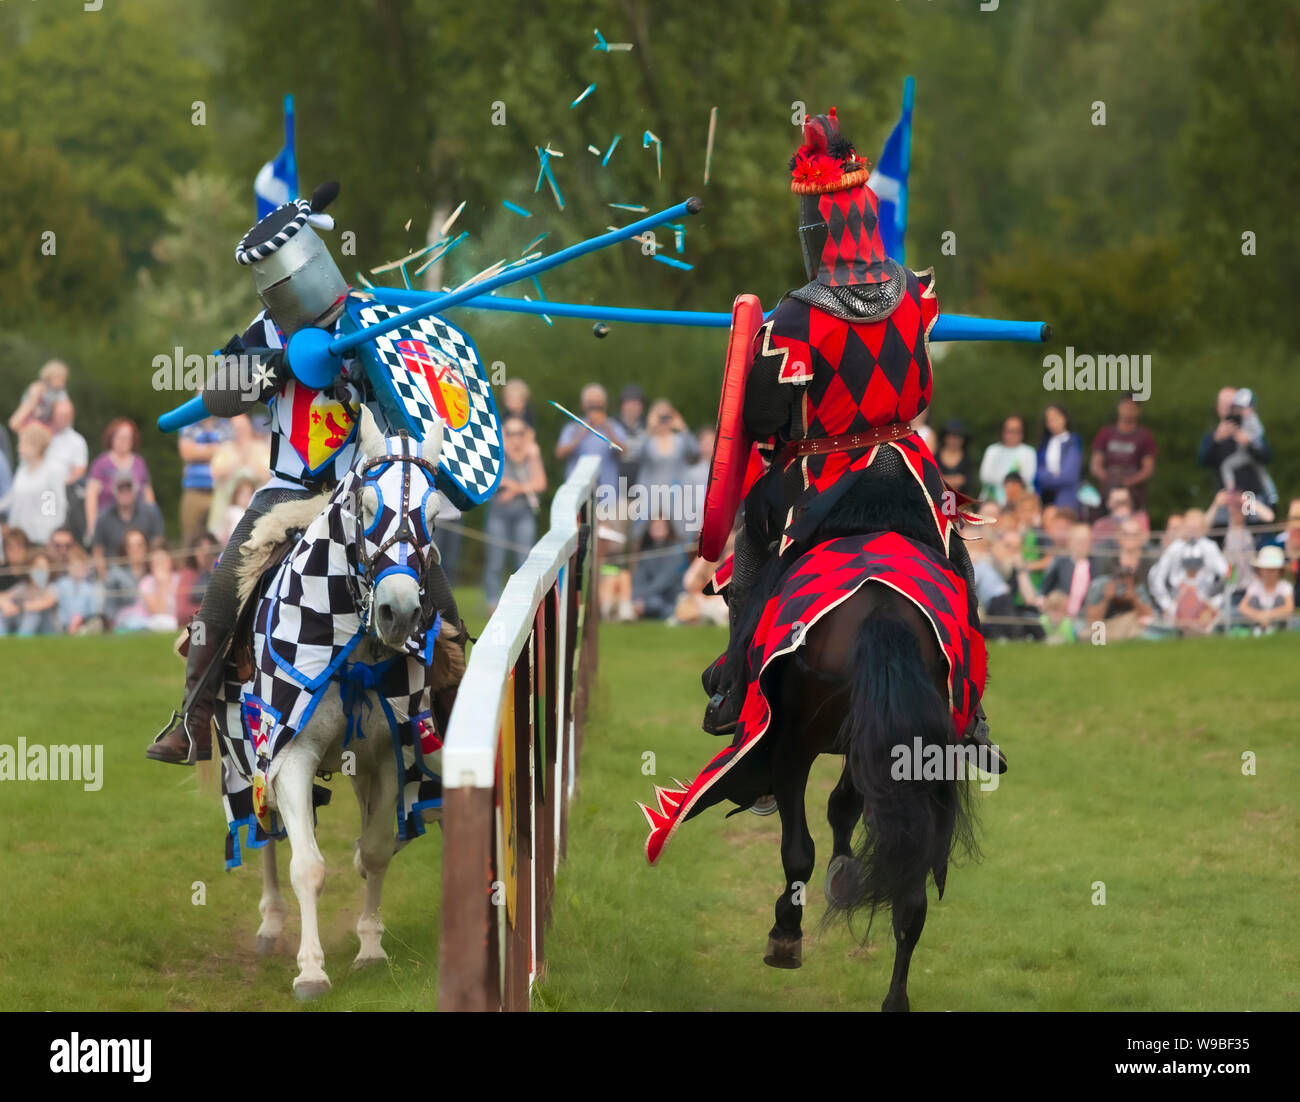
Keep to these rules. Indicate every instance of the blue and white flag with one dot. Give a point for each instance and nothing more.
(277, 180)
(889, 178)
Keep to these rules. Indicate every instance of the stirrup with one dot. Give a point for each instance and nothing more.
(168, 728)
(978, 734)
(716, 722)
(194, 753)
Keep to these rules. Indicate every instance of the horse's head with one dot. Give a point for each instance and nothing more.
(396, 502)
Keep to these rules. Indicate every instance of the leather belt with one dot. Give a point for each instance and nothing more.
(823, 445)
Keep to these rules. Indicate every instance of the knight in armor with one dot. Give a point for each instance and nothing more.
(313, 444)
(837, 374)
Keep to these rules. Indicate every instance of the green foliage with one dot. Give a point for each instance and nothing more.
(77, 271)
(1127, 297)
(1242, 168)
(112, 90)
(193, 292)
(1126, 237)
(441, 70)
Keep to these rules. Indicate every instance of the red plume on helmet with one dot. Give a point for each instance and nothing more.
(826, 161)
(839, 226)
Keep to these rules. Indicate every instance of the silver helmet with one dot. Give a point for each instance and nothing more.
(295, 275)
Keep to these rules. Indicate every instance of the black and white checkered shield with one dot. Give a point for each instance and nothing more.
(430, 370)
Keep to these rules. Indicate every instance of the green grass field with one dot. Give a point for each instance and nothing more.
(1125, 768)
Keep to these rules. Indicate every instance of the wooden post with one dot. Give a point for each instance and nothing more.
(551, 730)
(519, 939)
(465, 981)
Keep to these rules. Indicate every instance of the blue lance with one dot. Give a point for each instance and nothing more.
(948, 327)
(312, 352)
(310, 349)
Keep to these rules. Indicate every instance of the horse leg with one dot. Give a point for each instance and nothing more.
(842, 812)
(785, 941)
(909, 921)
(373, 853)
(307, 866)
(271, 906)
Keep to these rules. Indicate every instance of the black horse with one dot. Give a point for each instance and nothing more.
(869, 677)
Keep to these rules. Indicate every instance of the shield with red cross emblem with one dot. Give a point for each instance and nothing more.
(442, 380)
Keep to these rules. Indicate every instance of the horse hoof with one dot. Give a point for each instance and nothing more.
(841, 878)
(266, 945)
(764, 806)
(310, 989)
(364, 962)
(895, 1006)
(784, 954)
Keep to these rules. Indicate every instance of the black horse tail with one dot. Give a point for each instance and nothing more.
(912, 824)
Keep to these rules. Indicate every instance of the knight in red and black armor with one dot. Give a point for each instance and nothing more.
(838, 373)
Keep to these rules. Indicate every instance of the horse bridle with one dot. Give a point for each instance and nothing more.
(363, 593)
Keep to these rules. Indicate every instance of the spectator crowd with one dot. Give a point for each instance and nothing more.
(1060, 558)
(1066, 544)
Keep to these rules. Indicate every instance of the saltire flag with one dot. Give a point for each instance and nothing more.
(889, 178)
(277, 180)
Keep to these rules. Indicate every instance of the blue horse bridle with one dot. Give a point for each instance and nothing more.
(366, 569)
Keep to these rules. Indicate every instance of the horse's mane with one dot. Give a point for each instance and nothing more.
(270, 532)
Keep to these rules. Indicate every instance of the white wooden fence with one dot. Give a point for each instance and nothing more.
(510, 762)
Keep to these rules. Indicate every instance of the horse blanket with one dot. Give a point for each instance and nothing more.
(306, 630)
(818, 582)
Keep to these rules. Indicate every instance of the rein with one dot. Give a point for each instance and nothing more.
(363, 593)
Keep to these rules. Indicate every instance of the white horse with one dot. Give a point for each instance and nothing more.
(375, 525)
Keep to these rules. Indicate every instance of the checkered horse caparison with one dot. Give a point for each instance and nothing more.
(310, 622)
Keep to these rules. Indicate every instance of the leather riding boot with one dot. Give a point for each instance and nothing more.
(722, 713)
(726, 685)
(978, 734)
(444, 700)
(187, 738)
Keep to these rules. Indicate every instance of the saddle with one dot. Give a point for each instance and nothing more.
(268, 545)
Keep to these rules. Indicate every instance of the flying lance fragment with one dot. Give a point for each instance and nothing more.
(535, 241)
(672, 262)
(646, 139)
(608, 47)
(442, 230)
(443, 248)
(708, 149)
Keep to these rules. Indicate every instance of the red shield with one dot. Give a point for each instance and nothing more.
(731, 452)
